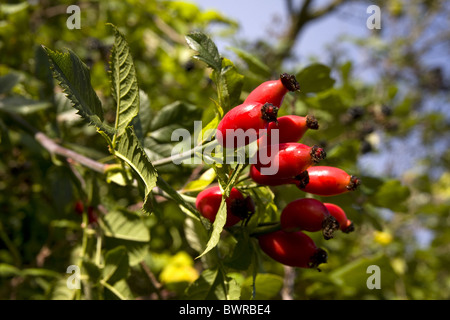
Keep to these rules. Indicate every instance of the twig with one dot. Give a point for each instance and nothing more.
(54, 148)
(156, 285)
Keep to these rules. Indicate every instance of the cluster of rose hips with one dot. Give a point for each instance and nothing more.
(296, 164)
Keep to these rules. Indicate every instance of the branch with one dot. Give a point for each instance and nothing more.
(327, 9)
(299, 19)
(54, 148)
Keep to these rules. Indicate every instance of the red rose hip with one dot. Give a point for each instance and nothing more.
(242, 124)
(295, 249)
(345, 224)
(238, 207)
(291, 128)
(274, 91)
(309, 215)
(288, 159)
(329, 181)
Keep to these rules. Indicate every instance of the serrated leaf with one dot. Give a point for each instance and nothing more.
(131, 151)
(219, 223)
(124, 85)
(121, 224)
(315, 78)
(206, 48)
(116, 265)
(74, 78)
(229, 84)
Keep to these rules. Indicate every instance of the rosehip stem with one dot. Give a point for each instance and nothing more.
(264, 228)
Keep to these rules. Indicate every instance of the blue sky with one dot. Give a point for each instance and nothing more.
(261, 18)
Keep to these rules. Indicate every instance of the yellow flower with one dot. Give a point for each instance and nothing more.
(179, 269)
(382, 237)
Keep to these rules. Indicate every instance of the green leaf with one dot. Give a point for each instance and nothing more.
(197, 236)
(315, 78)
(74, 78)
(206, 48)
(7, 9)
(22, 105)
(202, 182)
(229, 84)
(125, 225)
(242, 253)
(145, 113)
(174, 195)
(124, 85)
(136, 250)
(40, 272)
(60, 291)
(7, 270)
(219, 223)
(178, 112)
(355, 274)
(8, 81)
(267, 286)
(116, 265)
(120, 290)
(209, 130)
(213, 284)
(392, 194)
(131, 151)
(254, 64)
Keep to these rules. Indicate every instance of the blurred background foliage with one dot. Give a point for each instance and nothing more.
(391, 130)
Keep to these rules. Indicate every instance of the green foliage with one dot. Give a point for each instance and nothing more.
(74, 78)
(315, 78)
(131, 152)
(133, 74)
(124, 86)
